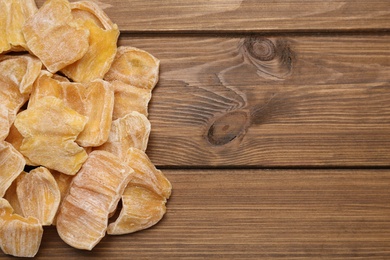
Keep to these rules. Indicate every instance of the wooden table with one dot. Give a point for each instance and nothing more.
(272, 121)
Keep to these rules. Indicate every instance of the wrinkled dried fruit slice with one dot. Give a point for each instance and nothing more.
(14, 13)
(94, 99)
(16, 139)
(134, 67)
(129, 98)
(12, 197)
(50, 129)
(11, 101)
(4, 122)
(39, 195)
(11, 165)
(102, 43)
(21, 70)
(141, 209)
(63, 182)
(19, 236)
(94, 193)
(130, 131)
(146, 174)
(54, 37)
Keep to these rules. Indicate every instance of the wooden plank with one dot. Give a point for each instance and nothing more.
(247, 15)
(242, 214)
(265, 102)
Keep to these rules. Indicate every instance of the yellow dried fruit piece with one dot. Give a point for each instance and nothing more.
(39, 195)
(11, 165)
(135, 67)
(4, 122)
(22, 70)
(146, 174)
(93, 194)
(54, 37)
(141, 209)
(94, 99)
(63, 182)
(12, 197)
(130, 131)
(11, 101)
(17, 74)
(13, 16)
(49, 129)
(102, 43)
(16, 139)
(129, 98)
(19, 236)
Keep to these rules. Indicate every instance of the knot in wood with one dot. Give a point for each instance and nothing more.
(228, 127)
(272, 57)
(260, 48)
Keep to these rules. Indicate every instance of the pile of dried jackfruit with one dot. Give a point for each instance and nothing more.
(73, 109)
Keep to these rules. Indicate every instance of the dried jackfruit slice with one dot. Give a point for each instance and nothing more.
(49, 129)
(135, 67)
(146, 174)
(11, 165)
(94, 193)
(4, 122)
(16, 139)
(39, 195)
(11, 101)
(12, 197)
(63, 182)
(94, 99)
(130, 131)
(14, 15)
(19, 236)
(141, 209)
(129, 98)
(21, 70)
(54, 37)
(102, 43)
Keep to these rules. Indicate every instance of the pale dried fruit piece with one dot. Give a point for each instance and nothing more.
(50, 129)
(4, 122)
(141, 209)
(102, 43)
(129, 98)
(17, 74)
(130, 131)
(39, 195)
(19, 236)
(11, 101)
(16, 139)
(94, 193)
(22, 70)
(54, 37)
(12, 197)
(63, 182)
(94, 99)
(13, 16)
(146, 174)
(11, 165)
(135, 67)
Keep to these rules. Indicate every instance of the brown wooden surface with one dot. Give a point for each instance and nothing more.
(247, 15)
(214, 106)
(241, 214)
(272, 121)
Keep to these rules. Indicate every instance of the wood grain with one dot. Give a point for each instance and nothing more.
(318, 101)
(242, 214)
(246, 15)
